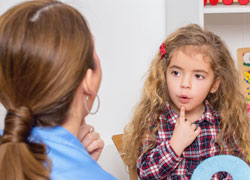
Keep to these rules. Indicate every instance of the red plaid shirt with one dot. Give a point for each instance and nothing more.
(161, 162)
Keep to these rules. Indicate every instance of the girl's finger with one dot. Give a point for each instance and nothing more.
(193, 126)
(197, 131)
(182, 115)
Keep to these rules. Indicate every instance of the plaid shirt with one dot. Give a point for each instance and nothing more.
(161, 162)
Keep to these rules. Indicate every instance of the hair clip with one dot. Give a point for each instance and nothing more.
(163, 50)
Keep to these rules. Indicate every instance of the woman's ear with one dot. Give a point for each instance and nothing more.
(92, 79)
(215, 85)
(87, 83)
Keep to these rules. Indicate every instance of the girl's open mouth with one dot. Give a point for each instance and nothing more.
(184, 99)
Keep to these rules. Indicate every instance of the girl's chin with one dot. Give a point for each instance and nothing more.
(177, 106)
(187, 108)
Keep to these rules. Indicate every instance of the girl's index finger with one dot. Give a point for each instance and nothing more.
(182, 114)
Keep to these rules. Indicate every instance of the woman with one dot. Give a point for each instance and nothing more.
(49, 78)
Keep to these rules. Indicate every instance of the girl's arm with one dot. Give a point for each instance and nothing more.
(158, 162)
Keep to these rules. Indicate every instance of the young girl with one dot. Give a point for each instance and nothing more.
(191, 109)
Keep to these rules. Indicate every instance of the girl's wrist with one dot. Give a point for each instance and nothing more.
(177, 148)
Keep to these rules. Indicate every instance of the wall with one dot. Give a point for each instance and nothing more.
(127, 34)
(232, 28)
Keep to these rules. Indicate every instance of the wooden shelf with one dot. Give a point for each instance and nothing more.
(221, 8)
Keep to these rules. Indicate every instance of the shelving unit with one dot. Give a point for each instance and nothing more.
(221, 8)
(230, 22)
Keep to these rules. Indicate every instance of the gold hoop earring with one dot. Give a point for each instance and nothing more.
(86, 106)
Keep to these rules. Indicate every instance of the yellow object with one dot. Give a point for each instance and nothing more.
(117, 139)
(247, 76)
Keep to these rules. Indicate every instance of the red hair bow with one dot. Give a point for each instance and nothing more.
(163, 50)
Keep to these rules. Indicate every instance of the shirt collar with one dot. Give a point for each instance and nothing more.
(210, 115)
(57, 134)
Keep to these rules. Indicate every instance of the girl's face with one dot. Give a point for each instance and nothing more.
(189, 80)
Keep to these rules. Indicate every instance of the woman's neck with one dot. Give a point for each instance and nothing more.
(75, 116)
(73, 124)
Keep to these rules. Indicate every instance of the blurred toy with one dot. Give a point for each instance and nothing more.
(248, 113)
(246, 58)
(243, 2)
(243, 58)
(213, 2)
(247, 77)
(205, 2)
(248, 98)
(235, 166)
(226, 2)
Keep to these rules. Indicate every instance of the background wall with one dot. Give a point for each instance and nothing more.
(127, 35)
(233, 28)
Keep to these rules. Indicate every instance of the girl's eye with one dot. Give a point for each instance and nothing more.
(175, 73)
(198, 76)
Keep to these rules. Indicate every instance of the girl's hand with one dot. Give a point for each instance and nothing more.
(184, 133)
(91, 140)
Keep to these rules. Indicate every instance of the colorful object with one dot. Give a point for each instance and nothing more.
(243, 2)
(214, 2)
(236, 167)
(228, 2)
(246, 58)
(247, 77)
(248, 95)
(205, 2)
(243, 57)
(163, 50)
(248, 114)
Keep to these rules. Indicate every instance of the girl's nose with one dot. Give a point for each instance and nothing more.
(186, 82)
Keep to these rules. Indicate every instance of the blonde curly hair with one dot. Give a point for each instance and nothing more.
(228, 100)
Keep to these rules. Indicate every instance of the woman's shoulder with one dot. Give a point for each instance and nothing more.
(70, 160)
(77, 166)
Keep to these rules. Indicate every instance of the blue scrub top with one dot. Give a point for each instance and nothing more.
(70, 160)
